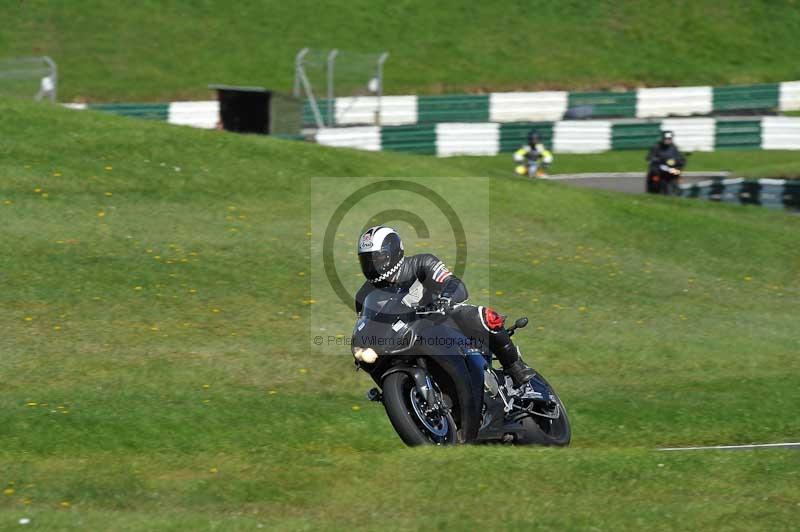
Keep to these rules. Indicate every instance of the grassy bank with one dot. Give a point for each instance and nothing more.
(157, 371)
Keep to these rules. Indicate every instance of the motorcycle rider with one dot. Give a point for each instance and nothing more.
(533, 159)
(430, 283)
(666, 153)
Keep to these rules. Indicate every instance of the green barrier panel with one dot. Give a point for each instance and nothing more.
(605, 104)
(308, 114)
(515, 134)
(152, 111)
(755, 98)
(738, 134)
(635, 136)
(414, 138)
(289, 136)
(461, 108)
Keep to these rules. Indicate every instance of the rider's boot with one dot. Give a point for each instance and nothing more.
(508, 355)
(522, 375)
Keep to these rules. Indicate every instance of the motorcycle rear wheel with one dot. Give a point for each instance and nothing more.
(544, 431)
(410, 423)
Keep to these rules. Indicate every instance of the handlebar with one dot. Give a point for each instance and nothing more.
(425, 311)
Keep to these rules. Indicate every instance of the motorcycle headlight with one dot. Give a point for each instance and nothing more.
(367, 355)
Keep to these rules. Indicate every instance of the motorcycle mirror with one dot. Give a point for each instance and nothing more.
(520, 323)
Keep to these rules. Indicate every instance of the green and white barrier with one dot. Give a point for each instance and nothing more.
(196, 114)
(527, 106)
(498, 122)
(581, 136)
(360, 137)
(571, 136)
(503, 107)
(467, 139)
(780, 133)
(789, 96)
(674, 101)
(202, 114)
(394, 110)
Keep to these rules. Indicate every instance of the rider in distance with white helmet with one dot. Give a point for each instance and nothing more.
(430, 283)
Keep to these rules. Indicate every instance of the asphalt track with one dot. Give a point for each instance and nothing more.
(630, 182)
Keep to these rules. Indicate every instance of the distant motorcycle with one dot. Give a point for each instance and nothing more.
(663, 177)
(438, 387)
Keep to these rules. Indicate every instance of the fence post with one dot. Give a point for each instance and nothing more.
(53, 76)
(298, 65)
(379, 76)
(331, 107)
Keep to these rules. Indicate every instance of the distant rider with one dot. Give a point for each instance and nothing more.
(665, 164)
(533, 159)
(430, 283)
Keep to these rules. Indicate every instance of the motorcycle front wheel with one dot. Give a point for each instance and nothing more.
(411, 417)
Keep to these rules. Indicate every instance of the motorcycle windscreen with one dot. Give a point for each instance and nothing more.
(385, 304)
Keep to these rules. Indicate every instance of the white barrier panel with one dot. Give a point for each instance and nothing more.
(79, 106)
(576, 136)
(395, 110)
(780, 133)
(467, 139)
(789, 99)
(196, 114)
(532, 106)
(677, 101)
(362, 138)
(692, 134)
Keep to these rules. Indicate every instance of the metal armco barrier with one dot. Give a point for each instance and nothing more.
(770, 193)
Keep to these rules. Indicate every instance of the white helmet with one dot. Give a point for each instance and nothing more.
(380, 252)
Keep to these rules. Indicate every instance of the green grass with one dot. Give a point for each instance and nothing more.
(741, 163)
(157, 51)
(661, 322)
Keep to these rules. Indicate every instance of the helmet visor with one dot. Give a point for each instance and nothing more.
(375, 263)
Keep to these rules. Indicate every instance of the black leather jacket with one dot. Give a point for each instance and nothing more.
(425, 277)
(661, 153)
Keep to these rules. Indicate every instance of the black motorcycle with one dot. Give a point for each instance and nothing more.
(438, 386)
(663, 177)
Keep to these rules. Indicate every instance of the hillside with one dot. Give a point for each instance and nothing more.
(156, 310)
(155, 51)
